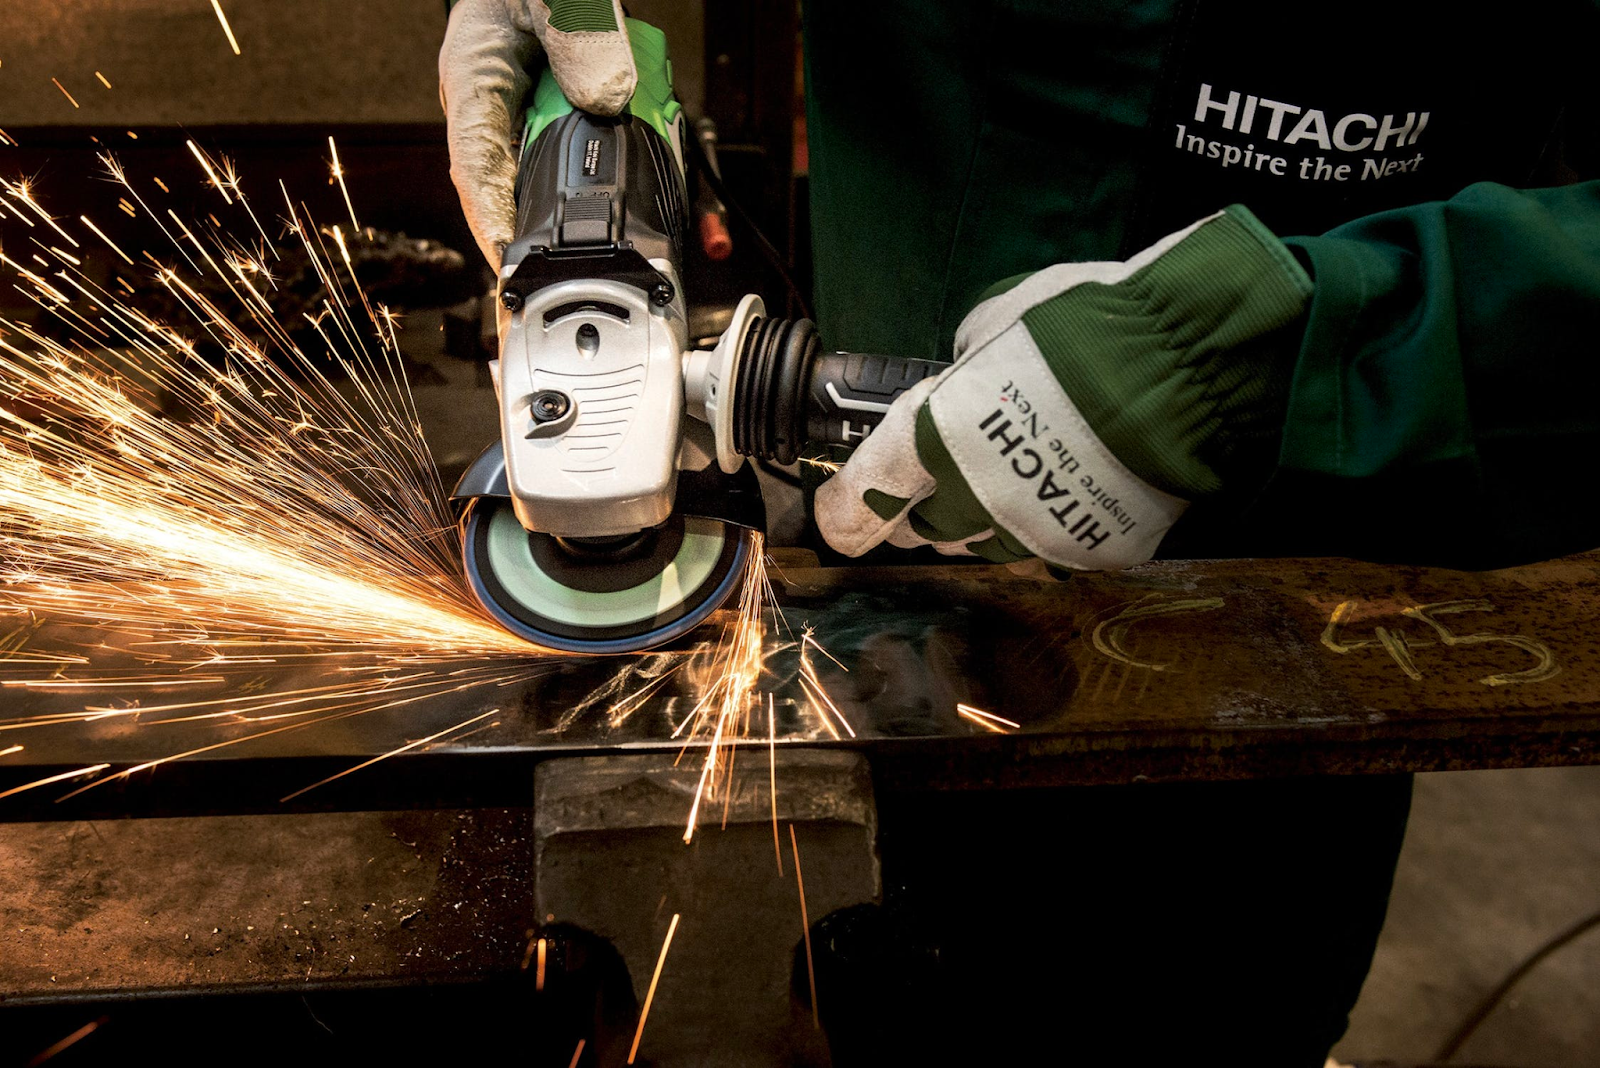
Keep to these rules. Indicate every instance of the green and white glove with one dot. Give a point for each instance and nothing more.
(489, 50)
(1087, 405)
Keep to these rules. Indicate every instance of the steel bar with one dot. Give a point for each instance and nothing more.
(1214, 669)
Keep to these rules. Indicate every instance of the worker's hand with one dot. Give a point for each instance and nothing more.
(1087, 405)
(490, 50)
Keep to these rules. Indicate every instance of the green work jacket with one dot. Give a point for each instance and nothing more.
(1425, 163)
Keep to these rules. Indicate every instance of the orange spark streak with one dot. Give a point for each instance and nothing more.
(805, 927)
(71, 1040)
(65, 93)
(772, 780)
(205, 164)
(102, 78)
(807, 639)
(22, 193)
(737, 666)
(102, 236)
(577, 1053)
(538, 975)
(90, 770)
(650, 994)
(989, 720)
(821, 703)
(396, 752)
(13, 749)
(335, 712)
(233, 42)
(338, 173)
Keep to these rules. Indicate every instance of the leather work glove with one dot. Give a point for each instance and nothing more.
(489, 49)
(1087, 405)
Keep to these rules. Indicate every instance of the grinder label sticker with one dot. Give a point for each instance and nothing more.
(591, 157)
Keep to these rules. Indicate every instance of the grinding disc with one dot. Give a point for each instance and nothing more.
(586, 602)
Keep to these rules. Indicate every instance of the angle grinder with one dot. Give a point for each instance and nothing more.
(604, 520)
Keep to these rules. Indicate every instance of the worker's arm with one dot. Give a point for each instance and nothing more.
(1444, 399)
(1439, 389)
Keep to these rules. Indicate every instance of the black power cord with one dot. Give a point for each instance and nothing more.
(1480, 1012)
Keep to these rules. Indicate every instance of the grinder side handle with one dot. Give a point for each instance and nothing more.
(849, 393)
(788, 393)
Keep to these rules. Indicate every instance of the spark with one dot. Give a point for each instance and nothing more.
(102, 236)
(772, 780)
(650, 994)
(65, 93)
(233, 42)
(538, 975)
(21, 192)
(102, 78)
(739, 661)
(160, 183)
(203, 496)
(71, 1040)
(396, 752)
(338, 174)
(805, 928)
(64, 776)
(809, 638)
(826, 465)
(230, 176)
(577, 1054)
(8, 139)
(234, 511)
(10, 750)
(987, 720)
(205, 163)
(133, 136)
(813, 688)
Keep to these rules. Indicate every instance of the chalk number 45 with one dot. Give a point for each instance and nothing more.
(1400, 648)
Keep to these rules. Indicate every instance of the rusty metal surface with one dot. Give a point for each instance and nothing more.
(1216, 669)
(121, 906)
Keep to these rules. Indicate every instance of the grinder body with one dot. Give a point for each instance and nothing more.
(591, 526)
(590, 368)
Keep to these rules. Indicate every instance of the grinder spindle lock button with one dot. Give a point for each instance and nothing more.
(548, 405)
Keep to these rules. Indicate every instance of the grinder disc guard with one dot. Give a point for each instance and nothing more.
(594, 597)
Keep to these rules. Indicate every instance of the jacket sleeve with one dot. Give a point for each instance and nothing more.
(1445, 406)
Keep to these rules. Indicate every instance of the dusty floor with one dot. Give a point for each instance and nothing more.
(1496, 863)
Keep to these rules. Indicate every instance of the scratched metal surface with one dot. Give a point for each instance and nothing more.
(1213, 669)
